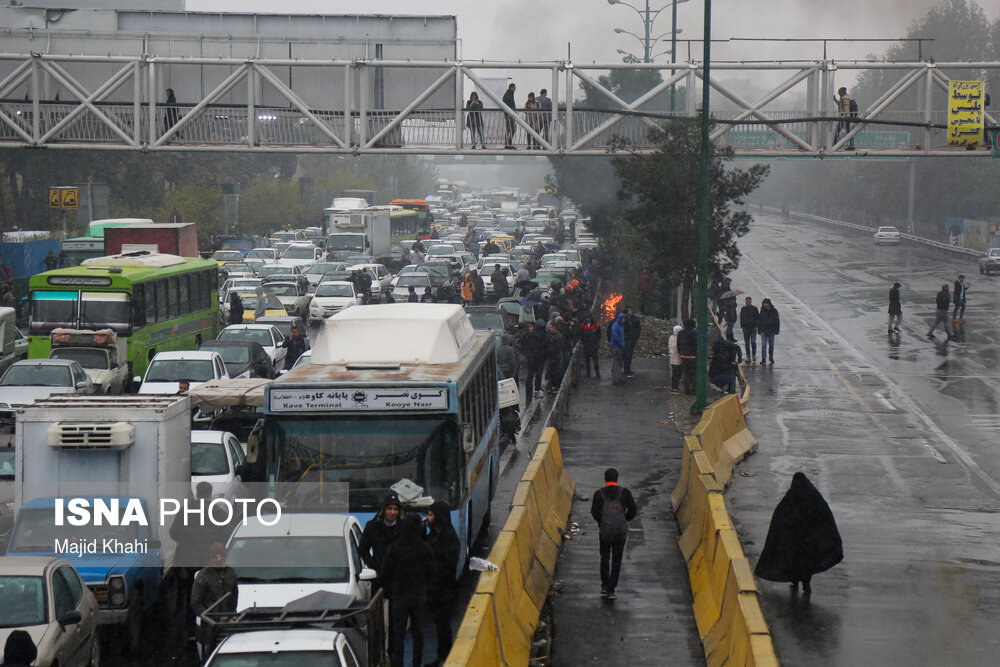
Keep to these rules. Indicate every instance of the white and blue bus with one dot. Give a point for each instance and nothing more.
(396, 397)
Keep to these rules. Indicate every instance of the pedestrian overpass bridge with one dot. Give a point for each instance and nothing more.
(275, 105)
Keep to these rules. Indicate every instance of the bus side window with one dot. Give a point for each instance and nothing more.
(138, 306)
(203, 290)
(161, 300)
(150, 307)
(184, 295)
(172, 299)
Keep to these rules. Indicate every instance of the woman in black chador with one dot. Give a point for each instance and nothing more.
(802, 540)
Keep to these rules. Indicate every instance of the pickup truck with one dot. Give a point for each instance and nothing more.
(103, 357)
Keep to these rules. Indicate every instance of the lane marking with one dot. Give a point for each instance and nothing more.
(908, 403)
(886, 402)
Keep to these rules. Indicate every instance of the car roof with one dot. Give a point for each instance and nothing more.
(337, 282)
(280, 641)
(303, 524)
(184, 355)
(44, 362)
(248, 326)
(28, 565)
(209, 437)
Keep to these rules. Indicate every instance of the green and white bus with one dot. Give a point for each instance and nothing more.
(155, 302)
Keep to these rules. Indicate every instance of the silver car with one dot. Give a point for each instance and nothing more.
(31, 379)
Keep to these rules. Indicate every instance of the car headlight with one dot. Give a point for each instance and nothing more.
(116, 591)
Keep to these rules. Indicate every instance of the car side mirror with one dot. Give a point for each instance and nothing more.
(367, 574)
(82, 384)
(70, 618)
(137, 379)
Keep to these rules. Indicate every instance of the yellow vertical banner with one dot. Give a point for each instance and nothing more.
(965, 113)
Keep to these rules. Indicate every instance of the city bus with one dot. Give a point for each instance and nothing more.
(154, 301)
(424, 217)
(403, 223)
(72, 252)
(376, 412)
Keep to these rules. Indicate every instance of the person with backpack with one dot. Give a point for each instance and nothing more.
(846, 108)
(613, 507)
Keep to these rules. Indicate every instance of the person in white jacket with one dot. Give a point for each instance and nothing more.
(675, 361)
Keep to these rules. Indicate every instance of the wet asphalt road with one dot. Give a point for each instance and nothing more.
(898, 433)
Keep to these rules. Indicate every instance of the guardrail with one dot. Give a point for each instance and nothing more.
(500, 621)
(909, 238)
(726, 599)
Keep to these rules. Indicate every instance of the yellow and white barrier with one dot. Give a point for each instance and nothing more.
(500, 621)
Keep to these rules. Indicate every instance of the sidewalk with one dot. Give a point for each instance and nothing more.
(651, 622)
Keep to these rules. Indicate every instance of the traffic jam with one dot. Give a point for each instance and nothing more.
(208, 453)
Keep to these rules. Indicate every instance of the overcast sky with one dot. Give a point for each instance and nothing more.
(542, 29)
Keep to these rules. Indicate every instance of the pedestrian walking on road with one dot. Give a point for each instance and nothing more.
(958, 315)
(769, 326)
(687, 347)
(617, 345)
(895, 308)
(235, 309)
(941, 303)
(407, 571)
(612, 508)
(675, 361)
(590, 337)
(727, 307)
(511, 124)
(296, 346)
(802, 539)
(443, 541)
(749, 314)
(633, 329)
(215, 586)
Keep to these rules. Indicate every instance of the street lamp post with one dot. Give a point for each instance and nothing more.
(648, 17)
(704, 216)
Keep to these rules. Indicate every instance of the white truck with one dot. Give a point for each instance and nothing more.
(363, 231)
(91, 472)
(104, 358)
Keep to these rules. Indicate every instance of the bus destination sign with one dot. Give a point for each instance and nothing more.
(380, 399)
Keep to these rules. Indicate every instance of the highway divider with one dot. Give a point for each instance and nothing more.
(726, 599)
(500, 621)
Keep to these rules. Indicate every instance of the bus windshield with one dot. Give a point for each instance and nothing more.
(369, 454)
(96, 310)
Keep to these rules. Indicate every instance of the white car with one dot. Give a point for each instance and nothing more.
(291, 294)
(28, 380)
(295, 646)
(332, 297)
(217, 457)
(445, 249)
(45, 597)
(887, 234)
(400, 286)
(487, 273)
(380, 278)
(240, 285)
(167, 369)
(269, 337)
(302, 255)
(300, 554)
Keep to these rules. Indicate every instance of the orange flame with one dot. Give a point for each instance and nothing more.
(610, 306)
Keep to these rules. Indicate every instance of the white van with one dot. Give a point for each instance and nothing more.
(15, 345)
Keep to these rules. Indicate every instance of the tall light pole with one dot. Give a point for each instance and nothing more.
(648, 17)
(704, 216)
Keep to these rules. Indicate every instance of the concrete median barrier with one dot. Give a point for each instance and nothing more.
(726, 605)
(499, 624)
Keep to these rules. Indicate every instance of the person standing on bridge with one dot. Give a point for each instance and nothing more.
(749, 314)
(802, 539)
(769, 326)
(612, 508)
(846, 108)
(958, 315)
(508, 99)
(895, 308)
(941, 302)
(170, 115)
(545, 104)
(474, 120)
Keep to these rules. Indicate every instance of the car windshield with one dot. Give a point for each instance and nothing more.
(415, 279)
(227, 256)
(208, 458)
(37, 375)
(263, 253)
(289, 558)
(37, 531)
(325, 267)
(271, 270)
(280, 289)
(295, 252)
(23, 600)
(369, 454)
(270, 303)
(332, 289)
(888, 229)
(486, 321)
(88, 357)
(262, 336)
(326, 658)
(231, 354)
(175, 370)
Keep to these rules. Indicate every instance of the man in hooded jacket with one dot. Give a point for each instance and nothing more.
(802, 539)
(443, 541)
(617, 345)
(533, 349)
(407, 571)
(380, 532)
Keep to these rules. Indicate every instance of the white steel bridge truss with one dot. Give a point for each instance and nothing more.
(251, 105)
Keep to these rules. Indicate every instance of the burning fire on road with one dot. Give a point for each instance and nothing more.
(610, 306)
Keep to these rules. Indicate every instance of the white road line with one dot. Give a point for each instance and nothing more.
(908, 403)
(886, 402)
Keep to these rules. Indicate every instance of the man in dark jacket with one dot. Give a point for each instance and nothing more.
(235, 309)
(215, 582)
(407, 571)
(612, 546)
(687, 347)
(633, 327)
(380, 532)
(443, 541)
(554, 357)
(748, 322)
(959, 299)
(769, 326)
(508, 99)
(941, 303)
(590, 338)
(507, 360)
(296, 345)
(533, 350)
(895, 308)
(498, 279)
(722, 366)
